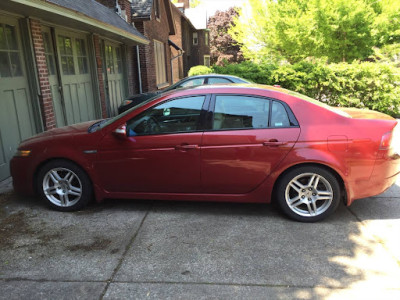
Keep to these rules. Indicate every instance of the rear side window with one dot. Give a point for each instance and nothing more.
(240, 112)
(279, 116)
(192, 82)
(213, 80)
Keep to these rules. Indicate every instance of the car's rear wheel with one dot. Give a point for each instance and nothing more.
(308, 193)
(64, 186)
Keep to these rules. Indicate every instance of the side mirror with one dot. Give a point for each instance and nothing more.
(120, 132)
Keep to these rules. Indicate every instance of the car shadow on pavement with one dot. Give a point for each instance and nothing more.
(216, 250)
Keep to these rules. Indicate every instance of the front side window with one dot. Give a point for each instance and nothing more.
(175, 116)
(240, 112)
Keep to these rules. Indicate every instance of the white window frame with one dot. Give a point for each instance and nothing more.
(204, 60)
(195, 38)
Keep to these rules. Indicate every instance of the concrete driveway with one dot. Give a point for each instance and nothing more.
(182, 250)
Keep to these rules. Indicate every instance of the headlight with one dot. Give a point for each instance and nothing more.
(23, 153)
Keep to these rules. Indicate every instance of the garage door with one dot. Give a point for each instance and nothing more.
(16, 115)
(114, 76)
(78, 101)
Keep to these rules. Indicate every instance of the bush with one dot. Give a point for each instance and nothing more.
(362, 85)
(199, 70)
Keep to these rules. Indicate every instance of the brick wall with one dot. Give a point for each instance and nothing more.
(203, 49)
(45, 99)
(154, 30)
(177, 64)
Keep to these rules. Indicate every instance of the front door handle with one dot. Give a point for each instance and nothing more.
(185, 147)
(274, 143)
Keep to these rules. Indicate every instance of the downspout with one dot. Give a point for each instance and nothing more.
(139, 72)
(172, 59)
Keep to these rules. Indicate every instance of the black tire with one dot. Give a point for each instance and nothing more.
(299, 198)
(68, 186)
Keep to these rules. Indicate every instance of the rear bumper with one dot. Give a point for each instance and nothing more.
(384, 175)
(22, 176)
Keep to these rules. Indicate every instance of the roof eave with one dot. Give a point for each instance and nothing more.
(82, 18)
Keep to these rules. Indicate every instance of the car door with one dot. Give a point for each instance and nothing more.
(248, 137)
(161, 152)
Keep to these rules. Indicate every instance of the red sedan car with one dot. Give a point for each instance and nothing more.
(217, 143)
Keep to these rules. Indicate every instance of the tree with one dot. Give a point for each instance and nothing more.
(339, 30)
(222, 45)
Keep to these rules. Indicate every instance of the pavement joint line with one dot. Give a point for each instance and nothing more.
(127, 248)
(267, 285)
(376, 238)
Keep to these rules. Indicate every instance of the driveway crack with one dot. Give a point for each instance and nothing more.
(127, 248)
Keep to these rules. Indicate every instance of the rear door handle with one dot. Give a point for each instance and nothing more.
(274, 143)
(186, 147)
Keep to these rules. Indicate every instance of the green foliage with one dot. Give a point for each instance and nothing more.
(199, 70)
(362, 85)
(339, 30)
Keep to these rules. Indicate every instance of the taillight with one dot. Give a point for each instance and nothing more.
(126, 102)
(385, 141)
(395, 144)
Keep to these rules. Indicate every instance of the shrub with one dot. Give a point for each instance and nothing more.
(362, 85)
(199, 70)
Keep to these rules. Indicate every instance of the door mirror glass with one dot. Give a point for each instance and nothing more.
(120, 132)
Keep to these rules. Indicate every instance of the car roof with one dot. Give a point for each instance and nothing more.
(215, 75)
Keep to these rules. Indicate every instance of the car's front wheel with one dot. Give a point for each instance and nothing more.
(308, 193)
(64, 186)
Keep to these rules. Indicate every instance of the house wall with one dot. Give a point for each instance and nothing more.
(177, 64)
(154, 29)
(45, 100)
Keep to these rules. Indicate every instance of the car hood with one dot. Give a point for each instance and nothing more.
(66, 130)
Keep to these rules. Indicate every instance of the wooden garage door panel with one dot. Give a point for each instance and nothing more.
(57, 105)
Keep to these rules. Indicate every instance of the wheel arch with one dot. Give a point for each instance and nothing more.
(335, 173)
(48, 160)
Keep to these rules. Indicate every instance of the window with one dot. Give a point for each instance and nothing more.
(213, 80)
(10, 62)
(240, 112)
(192, 82)
(157, 8)
(161, 74)
(279, 116)
(66, 55)
(195, 38)
(119, 59)
(179, 115)
(110, 60)
(81, 56)
(48, 51)
(206, 37)
(207, 60)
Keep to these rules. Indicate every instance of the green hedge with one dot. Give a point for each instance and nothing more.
(199, 70)
(364, 85)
